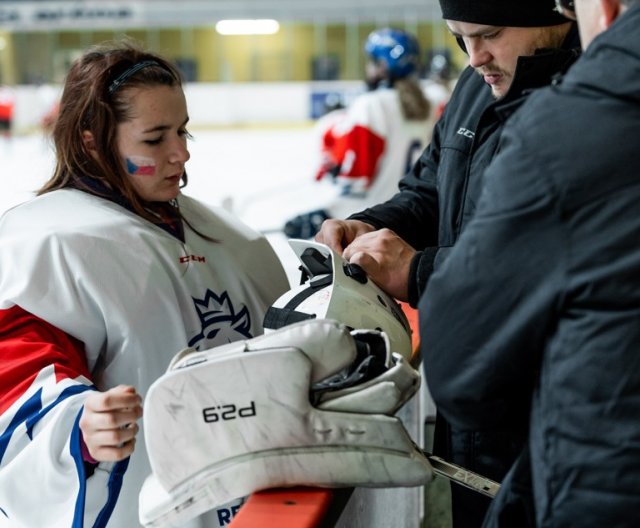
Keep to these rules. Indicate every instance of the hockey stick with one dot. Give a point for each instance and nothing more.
(463, 476)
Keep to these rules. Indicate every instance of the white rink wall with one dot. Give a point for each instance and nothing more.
(210, 104)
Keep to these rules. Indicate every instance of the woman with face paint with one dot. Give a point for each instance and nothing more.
(104, 277)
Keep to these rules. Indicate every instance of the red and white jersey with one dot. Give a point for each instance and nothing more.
(373, 145)
(7, 103)
(93, 296)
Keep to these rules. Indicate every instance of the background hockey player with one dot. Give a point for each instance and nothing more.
(103, 277)
(7, 107)
(368, 147)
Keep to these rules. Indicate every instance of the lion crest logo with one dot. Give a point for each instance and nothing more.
(221, 324)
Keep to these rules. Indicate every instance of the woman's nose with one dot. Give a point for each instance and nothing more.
(180, 152)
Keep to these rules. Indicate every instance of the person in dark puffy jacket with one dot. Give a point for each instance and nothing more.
(534, 318)
(514, 48)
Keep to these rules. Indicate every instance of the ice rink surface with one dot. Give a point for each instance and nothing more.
(264, 175)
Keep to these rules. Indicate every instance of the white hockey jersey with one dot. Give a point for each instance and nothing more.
(92, 296)
(373, 145)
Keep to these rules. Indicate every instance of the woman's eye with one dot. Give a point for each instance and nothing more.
(153, 141)
(184, 132)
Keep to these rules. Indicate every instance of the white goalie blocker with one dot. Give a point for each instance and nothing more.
(311, 403)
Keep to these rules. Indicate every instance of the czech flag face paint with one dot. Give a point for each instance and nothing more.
(140, 166)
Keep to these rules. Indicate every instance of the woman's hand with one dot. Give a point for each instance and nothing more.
(108, 423)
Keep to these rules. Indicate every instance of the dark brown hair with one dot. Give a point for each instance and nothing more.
(95, 99)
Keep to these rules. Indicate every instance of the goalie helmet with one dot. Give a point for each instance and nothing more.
(332, 288)
(396, 48)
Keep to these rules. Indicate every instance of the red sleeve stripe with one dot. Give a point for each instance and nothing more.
(28, 345)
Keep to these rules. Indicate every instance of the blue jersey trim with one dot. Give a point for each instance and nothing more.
(31, 412)
(29, 408)
(114, 486)
(76, 454)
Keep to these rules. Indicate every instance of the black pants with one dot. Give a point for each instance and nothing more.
(489, 453)
(514, 504)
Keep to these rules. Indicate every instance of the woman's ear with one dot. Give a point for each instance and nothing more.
(88, 140)
(89, 143)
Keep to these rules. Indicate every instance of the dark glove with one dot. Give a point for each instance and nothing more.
(305, 225)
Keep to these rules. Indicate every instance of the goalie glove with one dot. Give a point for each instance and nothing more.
(305, 225)
(303, 405)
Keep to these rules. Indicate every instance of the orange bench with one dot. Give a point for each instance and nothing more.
(298, 507)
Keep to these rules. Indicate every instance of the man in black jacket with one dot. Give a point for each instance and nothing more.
(514, 48)
(534, 318)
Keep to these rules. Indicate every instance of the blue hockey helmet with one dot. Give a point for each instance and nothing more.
(398, 49)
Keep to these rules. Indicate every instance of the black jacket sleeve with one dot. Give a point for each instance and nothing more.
(486, 311)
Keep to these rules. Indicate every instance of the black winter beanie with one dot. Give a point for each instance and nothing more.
(506, 13)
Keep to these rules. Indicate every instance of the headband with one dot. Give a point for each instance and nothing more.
(122, 78)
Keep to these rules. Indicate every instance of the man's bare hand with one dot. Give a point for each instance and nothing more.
(385, 258)
(337, 234)
(108, 423)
